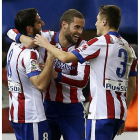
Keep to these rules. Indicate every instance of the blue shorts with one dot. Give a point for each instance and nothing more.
(65, 119)
(103, 129)
(32, 131)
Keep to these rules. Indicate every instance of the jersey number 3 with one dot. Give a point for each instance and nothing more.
(121, 72)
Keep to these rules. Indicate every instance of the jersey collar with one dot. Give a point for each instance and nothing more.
(113, 33)
(57, 37)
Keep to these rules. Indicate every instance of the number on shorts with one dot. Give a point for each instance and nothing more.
(45, 136)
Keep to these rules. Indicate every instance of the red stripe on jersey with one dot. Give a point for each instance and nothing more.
(33, 55)
(12, 108)
(45, 30)
(16, 31)
(78, 83)
(74, 72)
(47, 92)
(65, 49)
(122, 107)
(23, 63)
(108, 39)
(21, 107)
(92, 41)
(59, 95)
(58, 69)
(73, 95)
(21, 98)
(133, 66)
(53, 40)
(110, 105)
(94, 55)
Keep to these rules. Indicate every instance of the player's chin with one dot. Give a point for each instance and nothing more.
(75, 41)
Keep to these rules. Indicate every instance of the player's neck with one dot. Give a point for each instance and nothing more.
(30, 34)
(108, 30)
(63, 41)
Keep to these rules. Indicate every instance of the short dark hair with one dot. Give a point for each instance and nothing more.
(113, 15)
(69, 15)
(24, 18)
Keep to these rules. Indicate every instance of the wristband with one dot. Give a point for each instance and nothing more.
(17, 37)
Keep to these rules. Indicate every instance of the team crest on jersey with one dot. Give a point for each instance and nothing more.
(34, 65)
(84, 47)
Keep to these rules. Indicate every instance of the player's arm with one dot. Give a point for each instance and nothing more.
(64, 57)
(132, 81)
(131, 89)
(42, 80)
(80, 79)
(27, 41)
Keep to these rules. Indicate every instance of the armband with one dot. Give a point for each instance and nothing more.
(17, 37)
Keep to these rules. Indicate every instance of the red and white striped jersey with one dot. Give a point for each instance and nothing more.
(25, 101)
(72, 77)
(112, 61)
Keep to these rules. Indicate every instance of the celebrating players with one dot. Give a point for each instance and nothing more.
(112, 73)
(63, 102)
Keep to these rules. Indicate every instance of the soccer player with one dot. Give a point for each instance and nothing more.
(112, 73)
(64, 97)
(26, 82)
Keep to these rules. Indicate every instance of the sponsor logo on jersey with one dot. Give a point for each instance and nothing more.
(14, 87)
(63, 66)
(116, 86)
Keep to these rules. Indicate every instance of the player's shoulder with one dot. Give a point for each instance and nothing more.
(15, 46)
(95, 40)
(48, 34)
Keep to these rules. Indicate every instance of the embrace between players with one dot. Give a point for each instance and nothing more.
(109, 59)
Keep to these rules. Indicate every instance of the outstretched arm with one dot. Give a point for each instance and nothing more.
(27, 41)
(64, 57)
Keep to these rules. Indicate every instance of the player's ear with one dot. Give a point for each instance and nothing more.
(104, 21)
(64, 24)
(29, 29)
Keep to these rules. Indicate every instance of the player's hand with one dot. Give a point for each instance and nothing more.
(41, 65)
(27, 41)
(121, 130)
(41, 41)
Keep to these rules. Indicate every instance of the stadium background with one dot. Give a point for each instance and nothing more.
(50, 12)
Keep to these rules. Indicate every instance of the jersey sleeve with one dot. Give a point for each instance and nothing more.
(88, 51)
(13, 34)
(80, 80)
(133, 70)
(30, 62)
